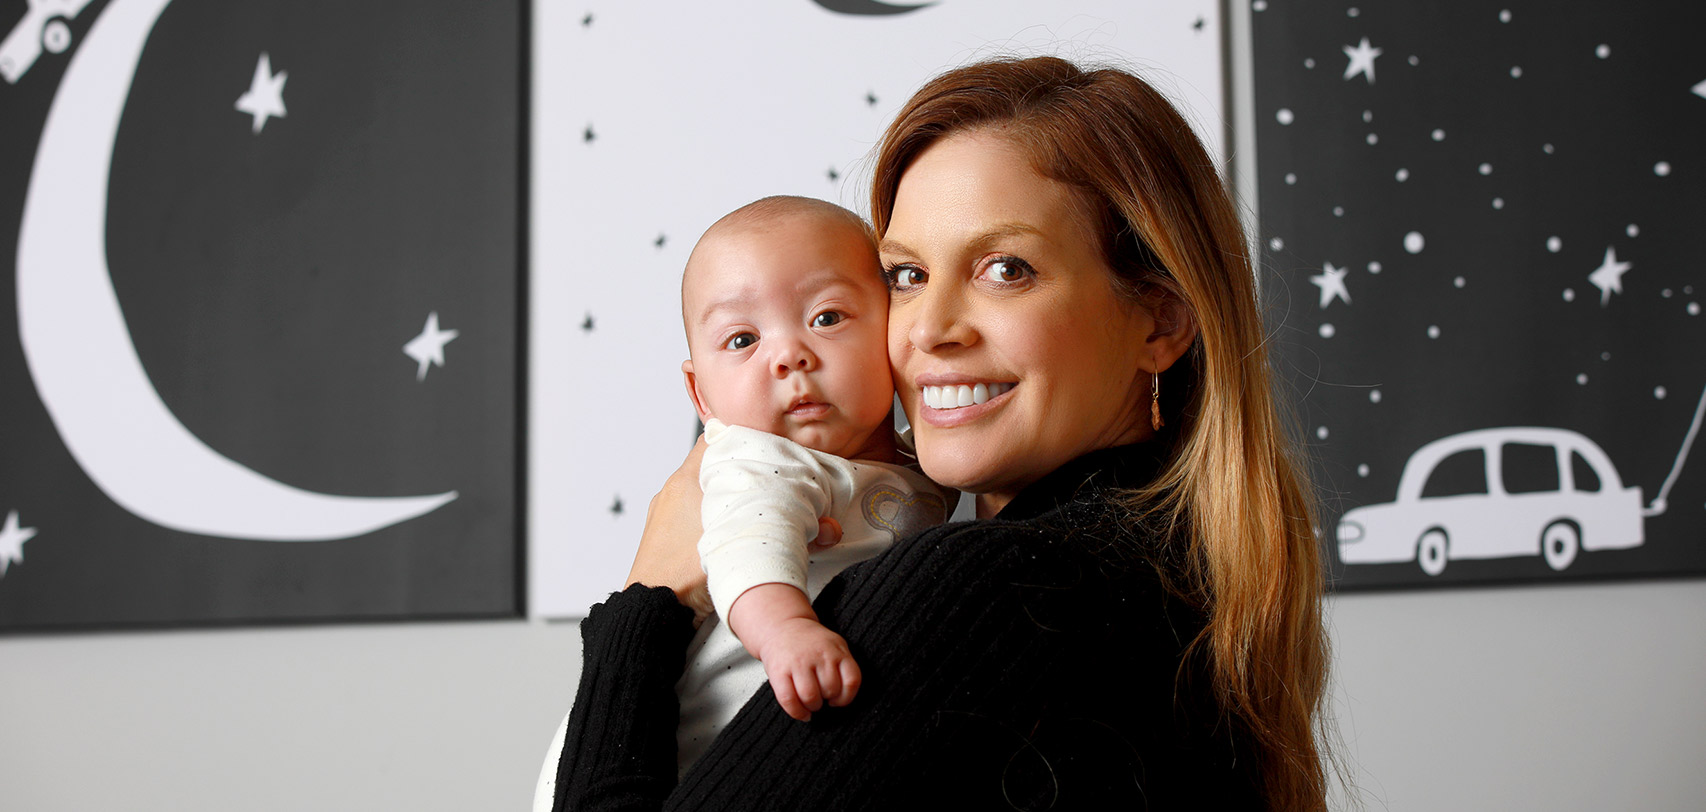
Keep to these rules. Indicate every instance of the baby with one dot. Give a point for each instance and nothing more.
(786, 316)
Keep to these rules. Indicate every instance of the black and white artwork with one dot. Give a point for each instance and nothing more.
(259, 360)
(653, 119)
(1480, 232)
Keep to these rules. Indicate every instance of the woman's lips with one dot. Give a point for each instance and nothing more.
(984, 398)
(963, 395)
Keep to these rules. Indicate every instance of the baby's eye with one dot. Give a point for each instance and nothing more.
(741, 341)
(905, 277)
(828, 318)
(1007, 270)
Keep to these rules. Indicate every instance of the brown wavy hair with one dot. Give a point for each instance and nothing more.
(1232, 484)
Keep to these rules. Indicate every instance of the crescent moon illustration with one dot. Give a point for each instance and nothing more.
(78, 347)
(867, 7)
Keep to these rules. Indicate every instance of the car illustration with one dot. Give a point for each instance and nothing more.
(1498, 493)
(43, 26)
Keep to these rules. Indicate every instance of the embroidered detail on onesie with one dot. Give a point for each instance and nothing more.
(901, 513)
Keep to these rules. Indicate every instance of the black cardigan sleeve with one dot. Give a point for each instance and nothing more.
(633, 650)
(969, 621)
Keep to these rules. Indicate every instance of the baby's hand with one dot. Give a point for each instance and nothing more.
(809, 665)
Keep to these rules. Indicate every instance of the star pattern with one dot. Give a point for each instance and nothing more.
(589, 136)
(1608, 277)
(659, 242)
(1700, 89)
(428, 348)
(12, 538)
(616, 506)
(871, 97)
(265, 97)
(1362, 60)
(587, 325)
(834, 175)
(1331, 281)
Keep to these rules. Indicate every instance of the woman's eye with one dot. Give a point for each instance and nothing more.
(1007, 269)
(741, 341)
(828, 318)
(906, 277)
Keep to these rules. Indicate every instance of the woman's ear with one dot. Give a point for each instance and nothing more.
(693, 393)
(1174, 329)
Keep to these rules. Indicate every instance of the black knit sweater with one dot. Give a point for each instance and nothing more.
(1029, 661)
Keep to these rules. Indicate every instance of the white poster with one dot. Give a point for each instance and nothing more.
(652, 119)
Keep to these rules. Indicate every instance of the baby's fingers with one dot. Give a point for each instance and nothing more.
(849, 679)
(788, 698)
(810, 693)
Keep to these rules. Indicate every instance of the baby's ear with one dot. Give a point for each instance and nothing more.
(693, 391)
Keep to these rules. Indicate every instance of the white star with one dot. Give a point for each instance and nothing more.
(428, 347)
(266, 93)
(1331, 281)
(1608, 277)
(1700, 89)
(1362, 60)
(12, 538)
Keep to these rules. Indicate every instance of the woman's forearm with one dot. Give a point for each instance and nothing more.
(619, 751)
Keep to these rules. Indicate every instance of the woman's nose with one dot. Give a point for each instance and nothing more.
(939, 319)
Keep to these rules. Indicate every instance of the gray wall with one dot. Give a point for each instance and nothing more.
(1555, 698)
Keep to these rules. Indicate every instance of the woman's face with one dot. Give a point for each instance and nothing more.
(1001, 300)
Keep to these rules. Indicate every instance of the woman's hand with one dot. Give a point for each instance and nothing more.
(669, 546)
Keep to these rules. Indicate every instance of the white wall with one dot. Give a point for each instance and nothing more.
(442, 716)
(1558, 698)
(1585, 697)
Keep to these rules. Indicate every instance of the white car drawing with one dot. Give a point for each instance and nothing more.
(43, 26)
(1580, 504)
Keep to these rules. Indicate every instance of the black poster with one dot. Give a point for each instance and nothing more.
(259, 361)
(1485, 269)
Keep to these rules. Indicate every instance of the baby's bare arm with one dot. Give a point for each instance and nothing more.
(807, 664)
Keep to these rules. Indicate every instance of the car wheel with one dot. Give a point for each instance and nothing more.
(1431, 550)
(56, 36)
(1559, 544)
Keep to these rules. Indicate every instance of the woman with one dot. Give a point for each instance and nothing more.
(1134, 618)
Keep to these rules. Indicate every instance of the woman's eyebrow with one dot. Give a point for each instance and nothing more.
(1002, 231)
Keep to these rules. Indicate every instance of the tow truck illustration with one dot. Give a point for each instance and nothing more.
(44, 26)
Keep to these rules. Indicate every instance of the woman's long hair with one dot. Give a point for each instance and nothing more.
(1171, 233)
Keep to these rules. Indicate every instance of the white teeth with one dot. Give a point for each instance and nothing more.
(954, 397)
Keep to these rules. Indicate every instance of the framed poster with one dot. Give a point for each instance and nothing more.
(652, 120)
(259, 362)
(1481, 224)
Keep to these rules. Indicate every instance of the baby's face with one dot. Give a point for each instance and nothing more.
(787, 324)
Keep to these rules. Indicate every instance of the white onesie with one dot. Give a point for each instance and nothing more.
(763, 497)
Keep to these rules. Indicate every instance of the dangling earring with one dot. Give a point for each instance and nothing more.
(1155, 401)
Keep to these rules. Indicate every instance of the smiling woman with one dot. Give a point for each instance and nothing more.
(1133, 621)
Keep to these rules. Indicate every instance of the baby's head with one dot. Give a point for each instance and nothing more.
(787, 325)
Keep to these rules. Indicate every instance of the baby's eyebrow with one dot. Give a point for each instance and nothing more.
(710, 310)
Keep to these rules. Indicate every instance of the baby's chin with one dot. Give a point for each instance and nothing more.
(841, 441)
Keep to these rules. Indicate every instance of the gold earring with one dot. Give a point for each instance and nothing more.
(1155, 401)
